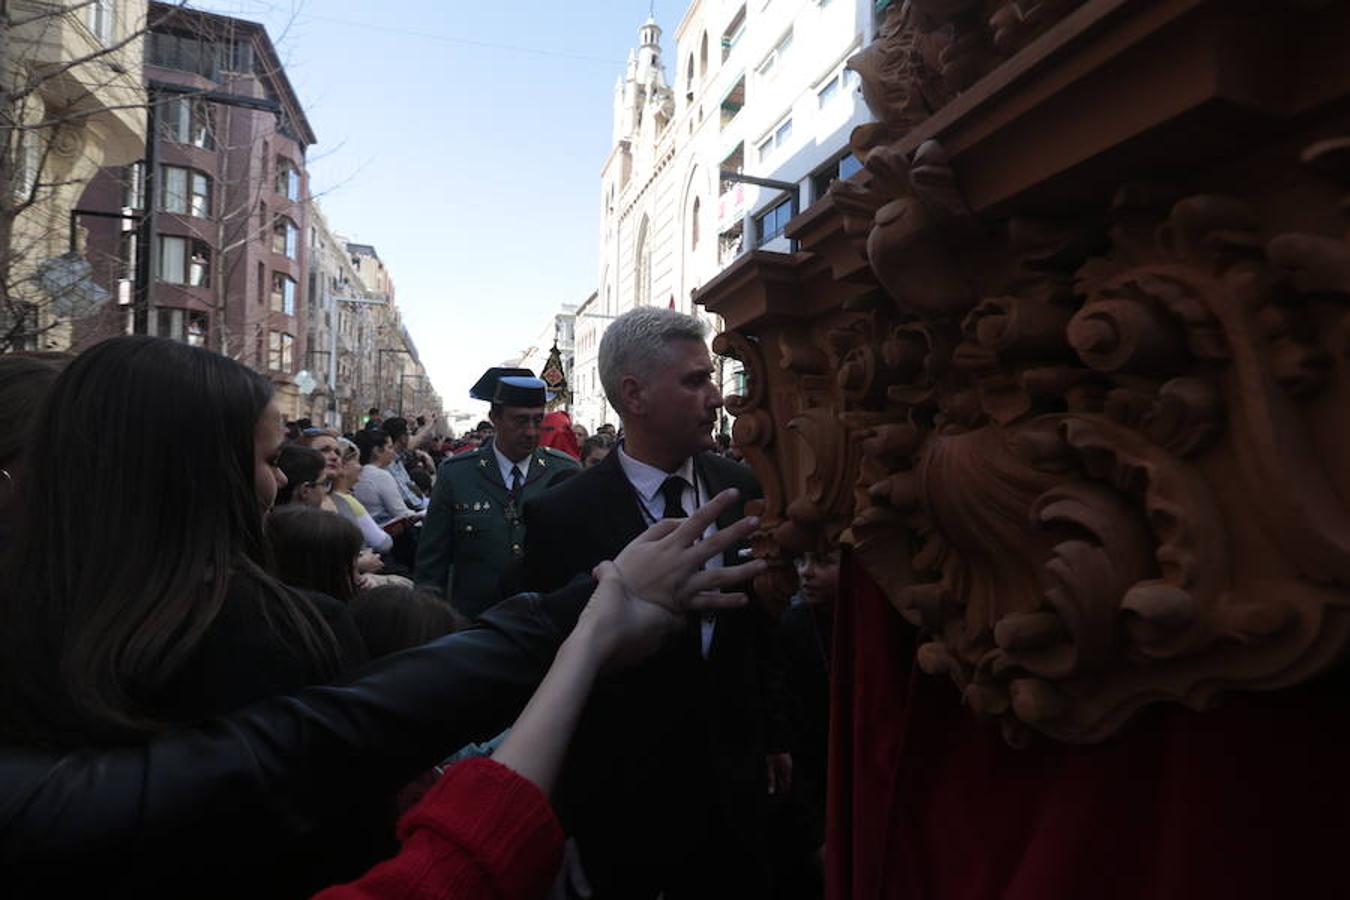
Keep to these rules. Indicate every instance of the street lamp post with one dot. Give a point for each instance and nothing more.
(403, 377)
(379, 372)
(328, 386)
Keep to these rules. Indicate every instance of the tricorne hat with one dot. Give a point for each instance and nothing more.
(510, 387)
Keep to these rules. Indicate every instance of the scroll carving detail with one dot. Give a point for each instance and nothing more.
(1095, 451)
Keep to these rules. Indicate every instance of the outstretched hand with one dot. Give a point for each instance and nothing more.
(645, 592)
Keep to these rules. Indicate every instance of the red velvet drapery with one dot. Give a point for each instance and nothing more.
(1249, 800)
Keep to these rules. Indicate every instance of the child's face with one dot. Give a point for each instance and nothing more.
(819, 577)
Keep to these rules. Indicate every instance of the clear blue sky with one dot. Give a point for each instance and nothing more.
(473, 169)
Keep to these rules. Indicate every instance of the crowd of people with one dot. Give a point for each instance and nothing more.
(238, 650)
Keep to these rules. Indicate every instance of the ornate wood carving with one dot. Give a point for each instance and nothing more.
(1095, 448)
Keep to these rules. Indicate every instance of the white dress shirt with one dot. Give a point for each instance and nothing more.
(647, 480)
(506, 465)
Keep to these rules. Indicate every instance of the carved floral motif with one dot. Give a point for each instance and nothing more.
(1098, 457)
(1086, 466)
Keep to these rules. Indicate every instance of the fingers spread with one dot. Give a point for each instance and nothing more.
(692, 528)
(723, 538)
(659, 530)
(713, 579)
(712, 600)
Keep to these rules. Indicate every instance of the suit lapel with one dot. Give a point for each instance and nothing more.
(714, 486)
(487, 467)
(615, 499)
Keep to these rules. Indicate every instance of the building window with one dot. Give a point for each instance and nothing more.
(127, 267)
(774, 140)
(184, 261)
(185, 191)
(285, 238)
(280, 351)
(689, 76)
(703, 56)
(733, 101)
(828, 91)
(774, 61)
(133, 186)
(842, 167)
(288, 179)
(832, 87)
(28, 164)
(770, 223)
(732, 36)
(101, 14)
(190, 53)
(730, 243)
(187, 120)
(693, 226)
(283, 294)
(188, 326)
(642, 267)
(262, 283)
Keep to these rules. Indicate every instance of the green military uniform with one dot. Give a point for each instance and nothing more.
(474, 532)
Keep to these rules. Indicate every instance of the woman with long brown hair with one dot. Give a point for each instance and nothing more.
(136, 597)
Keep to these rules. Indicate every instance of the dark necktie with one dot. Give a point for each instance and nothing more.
(516, 479)
(672, 489)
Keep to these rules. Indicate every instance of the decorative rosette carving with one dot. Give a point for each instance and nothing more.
(1094, 447)
(1097, 459)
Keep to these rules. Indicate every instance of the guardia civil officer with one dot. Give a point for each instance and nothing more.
(475, 531)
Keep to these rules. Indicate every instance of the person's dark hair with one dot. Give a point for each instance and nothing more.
(369, 441)
(315, 549)
(305, 423)
(421, 421)
(374, 411)
(723, 441)
(24, 383)
(393, 618)
(396, 427)
(593, 443)
(485, 425)
(421, 478)
(127, 552)
(300, 465)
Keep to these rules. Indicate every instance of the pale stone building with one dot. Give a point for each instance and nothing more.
(71, 75)
(760, 89)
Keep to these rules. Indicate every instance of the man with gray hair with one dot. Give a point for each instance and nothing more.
(669, 775)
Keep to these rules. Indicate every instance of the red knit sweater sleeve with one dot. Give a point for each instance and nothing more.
(481, 831)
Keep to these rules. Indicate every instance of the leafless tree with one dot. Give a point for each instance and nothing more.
(66, 66)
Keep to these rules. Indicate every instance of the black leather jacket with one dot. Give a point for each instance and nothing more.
(223, 806)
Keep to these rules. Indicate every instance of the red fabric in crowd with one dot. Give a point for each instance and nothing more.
(481, 832)
(556, 432)
(1248, 800)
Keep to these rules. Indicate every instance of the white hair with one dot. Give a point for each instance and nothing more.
(638, 342)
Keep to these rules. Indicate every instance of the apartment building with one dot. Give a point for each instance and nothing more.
(760, 89)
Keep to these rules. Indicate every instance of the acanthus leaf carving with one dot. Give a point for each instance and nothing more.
(1096, 458)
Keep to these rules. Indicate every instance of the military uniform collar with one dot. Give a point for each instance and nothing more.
(505, 465)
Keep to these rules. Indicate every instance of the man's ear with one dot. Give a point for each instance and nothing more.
(631, 396)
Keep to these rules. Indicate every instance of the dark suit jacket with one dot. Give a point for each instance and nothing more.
(666, 745)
